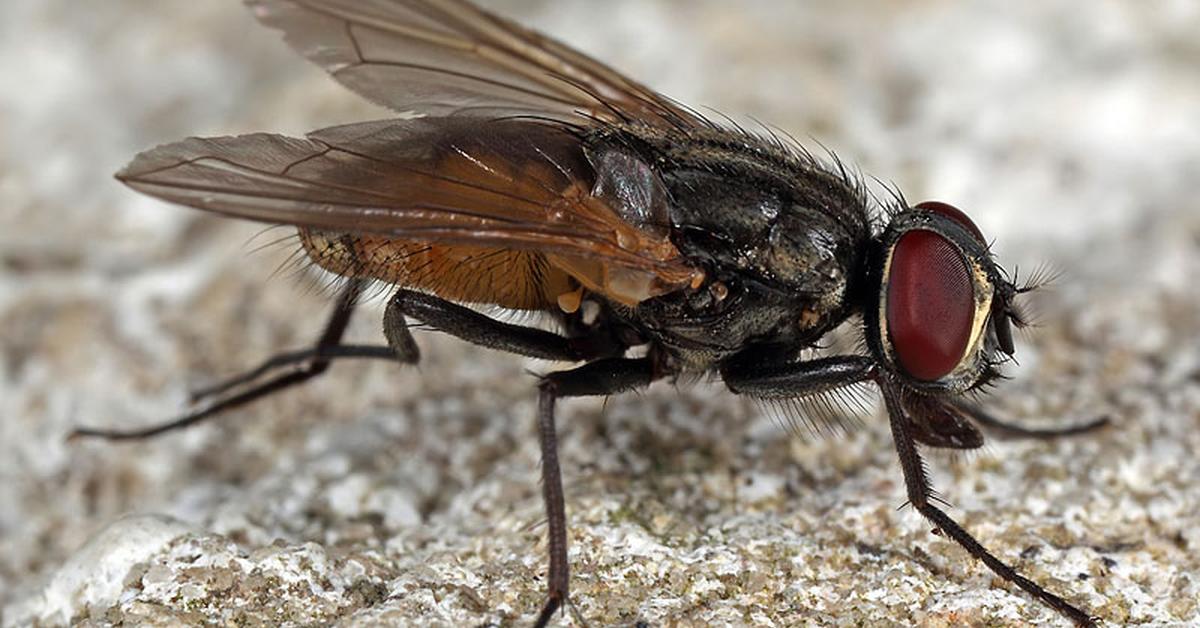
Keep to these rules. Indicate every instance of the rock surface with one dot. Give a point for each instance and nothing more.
(385, 495)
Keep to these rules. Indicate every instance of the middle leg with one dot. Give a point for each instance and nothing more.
(602, 377)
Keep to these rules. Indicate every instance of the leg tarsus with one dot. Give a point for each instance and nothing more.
(553, 603)
(322, 353)
(1003, 428)
(270, 386)
(292, 358)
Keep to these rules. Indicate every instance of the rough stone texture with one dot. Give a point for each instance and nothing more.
(383, 495)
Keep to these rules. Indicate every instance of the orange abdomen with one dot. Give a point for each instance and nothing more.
(508, 278)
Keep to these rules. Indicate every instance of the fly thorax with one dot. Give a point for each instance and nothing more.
(812, 258)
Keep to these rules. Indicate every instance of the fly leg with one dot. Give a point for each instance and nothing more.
(783, 378)
(433, 311)
(602, 377)
(919, 495)
(438, 313)
(312, 362)
(790, 378)
(446, 316)
(473, 327)
(990, 421)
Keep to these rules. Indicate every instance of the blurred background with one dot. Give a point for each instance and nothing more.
(1068, 131)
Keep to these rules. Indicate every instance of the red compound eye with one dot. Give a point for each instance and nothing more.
(930, 304)
(955, 214)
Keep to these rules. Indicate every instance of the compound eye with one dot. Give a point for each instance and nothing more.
(955, 214)
(930, 305)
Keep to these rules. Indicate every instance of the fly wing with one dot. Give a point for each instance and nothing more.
(497, 185)
(448, 57)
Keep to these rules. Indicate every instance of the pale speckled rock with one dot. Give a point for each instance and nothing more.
(390, 496)
(94, 576)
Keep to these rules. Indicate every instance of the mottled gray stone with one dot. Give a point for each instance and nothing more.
(386, 495)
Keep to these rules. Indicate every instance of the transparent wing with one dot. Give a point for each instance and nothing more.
(502, 185)
(448, 57)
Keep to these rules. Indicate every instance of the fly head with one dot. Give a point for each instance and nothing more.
(941, 315)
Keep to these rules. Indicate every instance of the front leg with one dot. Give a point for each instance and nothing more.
(789, 378)
(792, 377)
(919, 493)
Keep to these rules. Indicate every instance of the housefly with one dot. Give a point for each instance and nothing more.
(537, 179)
